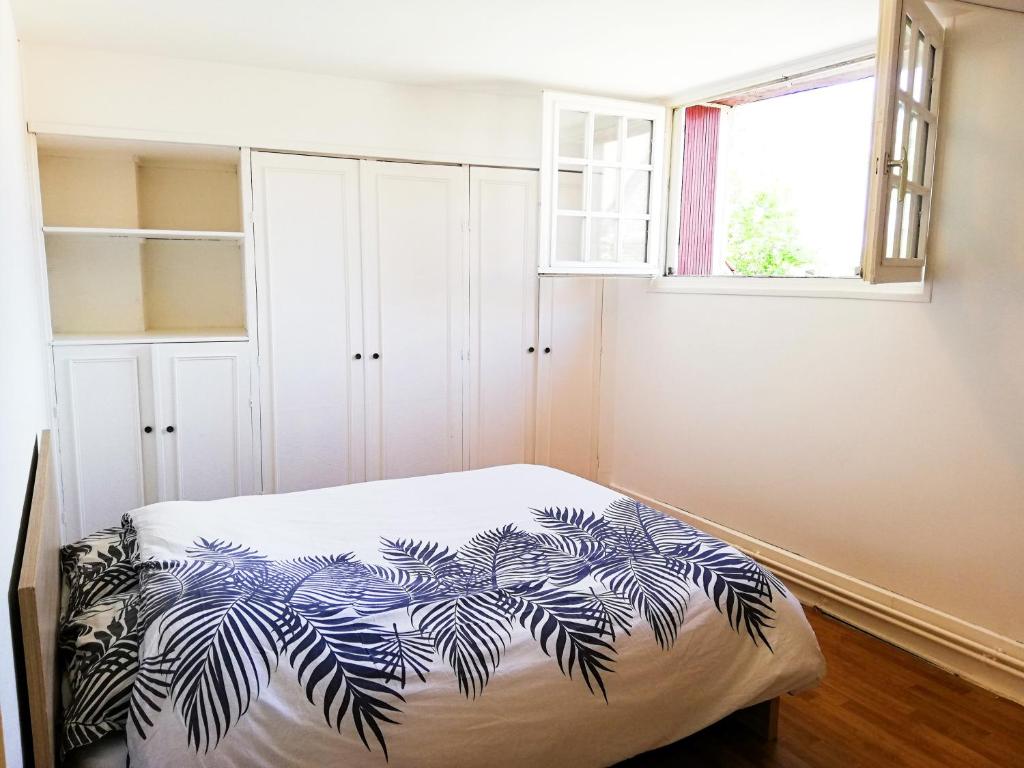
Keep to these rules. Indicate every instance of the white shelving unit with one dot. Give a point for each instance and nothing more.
(151, 287)
(148, 234)
(144, 242)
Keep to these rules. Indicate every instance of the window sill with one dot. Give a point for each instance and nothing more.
(808, 287)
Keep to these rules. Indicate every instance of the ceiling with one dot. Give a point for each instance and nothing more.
(639, 48)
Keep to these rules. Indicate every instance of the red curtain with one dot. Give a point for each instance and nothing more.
(700, 169)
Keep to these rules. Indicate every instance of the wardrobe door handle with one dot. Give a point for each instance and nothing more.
(358, 356)
(530, 350)
(169, 429)
(547, 350)
(147, 430)
(375, 355)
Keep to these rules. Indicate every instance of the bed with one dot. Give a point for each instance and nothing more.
(507, 616)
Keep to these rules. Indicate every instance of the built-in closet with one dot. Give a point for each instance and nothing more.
(225, 322)
(151, 310)
(428, 343)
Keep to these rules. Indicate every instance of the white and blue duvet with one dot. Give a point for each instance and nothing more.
(503, 617)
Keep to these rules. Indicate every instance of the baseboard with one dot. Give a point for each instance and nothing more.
(983, 657)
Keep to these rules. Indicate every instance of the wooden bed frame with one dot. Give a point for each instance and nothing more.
(39, 607)
(39, 602)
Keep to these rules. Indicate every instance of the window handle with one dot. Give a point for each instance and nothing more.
(892, 165)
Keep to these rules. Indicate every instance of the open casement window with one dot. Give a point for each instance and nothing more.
(904, 142)
(601, 176)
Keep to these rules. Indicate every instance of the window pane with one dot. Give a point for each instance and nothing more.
(898, 151)
(920, 158)
(929, 91)
(569, 238)
(890, 224)
(748, 209)
(570, 188)
(638, 142)
(905, 55)
(604, 235)
(636, 192)
(634, 240)
(606, 138)
(912, 149)
(910, 225)
(604, 190)
(920, 70)
(572, 128)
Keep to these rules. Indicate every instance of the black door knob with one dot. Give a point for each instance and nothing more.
(170, 429)
(530, 350)
(358, 356)
(376, 355)
(547, 350)
(147, 430)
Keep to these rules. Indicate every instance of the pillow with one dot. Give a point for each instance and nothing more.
(99, 565)
(101, 644)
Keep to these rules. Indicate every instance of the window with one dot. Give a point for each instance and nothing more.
(602, 186)
(755, 197)
(906, 132)
(783, 179)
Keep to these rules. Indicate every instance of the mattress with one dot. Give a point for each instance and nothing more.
(509, 616)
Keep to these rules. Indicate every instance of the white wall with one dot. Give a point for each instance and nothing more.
(884, 440)
(22, 372)
(97, 93)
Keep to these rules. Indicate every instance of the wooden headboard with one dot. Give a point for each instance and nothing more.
(39, 607)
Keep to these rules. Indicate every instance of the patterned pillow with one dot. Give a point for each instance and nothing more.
(101, 644)
(99, 565)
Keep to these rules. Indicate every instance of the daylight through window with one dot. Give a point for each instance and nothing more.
(774, 180)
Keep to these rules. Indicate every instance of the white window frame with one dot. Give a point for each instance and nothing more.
(876, 267)
(883, 279)
(553, 103)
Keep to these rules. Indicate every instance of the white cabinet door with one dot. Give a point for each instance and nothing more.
(415, 287)
(104, 404)
(309, 291)
(204, 420)
(503, 316)
(569, 370)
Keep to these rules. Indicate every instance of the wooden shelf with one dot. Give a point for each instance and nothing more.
(146, 234)
(152, 337)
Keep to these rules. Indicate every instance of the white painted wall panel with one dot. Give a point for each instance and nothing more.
(89, 92)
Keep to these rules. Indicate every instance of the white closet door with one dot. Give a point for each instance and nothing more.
(503, 316)
(417, 304)
(569, 370)
(204, 420)
(104, 404)
(310, 320)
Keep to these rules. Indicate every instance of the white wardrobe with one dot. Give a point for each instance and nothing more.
(402, 327)
(141, 423)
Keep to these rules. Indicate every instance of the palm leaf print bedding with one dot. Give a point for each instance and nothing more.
(396, 647)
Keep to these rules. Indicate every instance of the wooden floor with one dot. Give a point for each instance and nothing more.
(878, 707)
